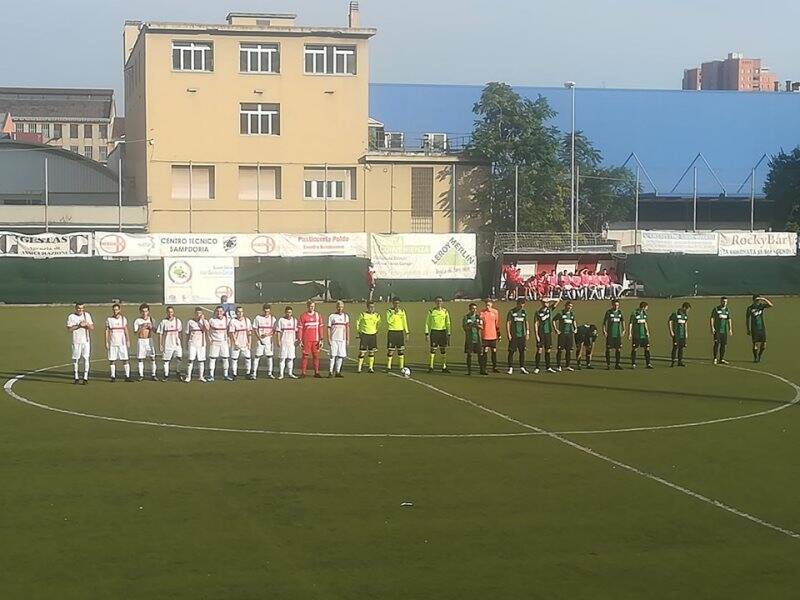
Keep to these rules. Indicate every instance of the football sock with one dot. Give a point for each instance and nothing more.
(212, 366)
(224, 367)
(674, 352)
(315, 360)
(494, 358)
(431, 359)
(510, 357)
(166, 368)
(389, 362)
(269, 365)
(547, 360)
(716, 349)
(761, 350)
(86, 368)
(633, 357)
(616, 356)
(290, 365)
(568, 358)
(360, 362)
(113, 370)
(153, 367)
(282, 367)
(482, 362)
(201, 368)
(303, 363)
(234, 367)
(254, 369)
(680, 355)
(332, 364)
(401, 361)
(647, 357)
(469, 363)
(522, 359)
(339, 361)
(75, 368)
(371, 361)
(722, 351)
(127, 367)
(141, 368)
(444, 360)
(538, 359)
(189, 369)
(608, 357)
(558, 358)
(247, 365)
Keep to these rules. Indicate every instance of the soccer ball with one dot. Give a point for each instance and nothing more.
(405, 372)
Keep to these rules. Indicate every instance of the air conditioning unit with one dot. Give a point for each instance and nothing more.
(393, 140)
(434, 142)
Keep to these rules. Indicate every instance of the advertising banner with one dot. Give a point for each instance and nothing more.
(45, 245)
(757, 243)
(424, 256)
(192, 280)
(165, 245)
(684, 242)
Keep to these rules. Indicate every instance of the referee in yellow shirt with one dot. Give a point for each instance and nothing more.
(437, 329)
(397, 326)
(367, 327)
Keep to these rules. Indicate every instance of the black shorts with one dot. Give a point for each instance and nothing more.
(472, 347)
(517, 344)
(438, 338)
(368, 341)
(643, 342)
(489, 344)
(396, 339)
(721, 338)
(759, 336)
(614, 342)
(679, 342)
(545, 341)
(565, 340)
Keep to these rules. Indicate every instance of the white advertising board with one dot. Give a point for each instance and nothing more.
(45, 245)
(424, 256)
(685, 242)
(192, 280)
(757, 243)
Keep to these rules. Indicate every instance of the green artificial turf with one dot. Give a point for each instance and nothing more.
(109, 509)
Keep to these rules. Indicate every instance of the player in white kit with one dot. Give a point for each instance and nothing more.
(218, 343)
(339, 338)
(287, 335)
(143, 328)
(240, 331)
(117, 342)
(169, 335)
(264, 329)
(80, 324)
(196, 330)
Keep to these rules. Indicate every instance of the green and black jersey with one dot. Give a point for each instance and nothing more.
(586, 334)
(517, 320)
(544, 319)
(472, 328)
(566, 322)
(638, 324)
(614, 322)
(721, 316)
(678, 320)
(755, 318)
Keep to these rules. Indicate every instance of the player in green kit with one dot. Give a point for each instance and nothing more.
(614, 329)
(367, 327)
(679, 332)
(472, 325)
(397, 332)
(564, 324)
(437, 330)
(639, 335)
(756, 327)
(518, 334)
(543, 328)
(585, 337)
(721, 328)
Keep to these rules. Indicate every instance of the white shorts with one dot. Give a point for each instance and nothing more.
(197, 353)
(263, 349)
(80, 350)
(236, 352)
(217, 349)
(145, 349)
(338, 349)
(116, 353)
(174, 352)
(287, 352)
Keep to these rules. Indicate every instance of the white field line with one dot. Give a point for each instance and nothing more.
(9, 385)
(586, 450)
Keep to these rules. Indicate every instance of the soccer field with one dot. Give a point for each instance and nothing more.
(665, 483)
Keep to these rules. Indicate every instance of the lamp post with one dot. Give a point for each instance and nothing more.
(570, 85)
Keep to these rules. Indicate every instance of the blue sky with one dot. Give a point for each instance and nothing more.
(597, 43)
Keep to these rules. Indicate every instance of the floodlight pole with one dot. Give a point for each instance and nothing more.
(258, 197)
(752, 199)
(46, 197)
(119, 193)
(190, 196)
(694, 201)
(570, 85)
(577, 200)
(636, 212)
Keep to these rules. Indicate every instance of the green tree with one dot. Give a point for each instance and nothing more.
(783, 188)
(511, 131)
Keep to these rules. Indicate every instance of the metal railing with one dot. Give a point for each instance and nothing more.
(391, 143)
(526, 242)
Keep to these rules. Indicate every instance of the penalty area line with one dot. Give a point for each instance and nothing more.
(630, 468)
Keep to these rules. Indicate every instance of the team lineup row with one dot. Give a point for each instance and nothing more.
(228, 335)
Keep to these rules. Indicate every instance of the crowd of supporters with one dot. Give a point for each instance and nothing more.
(581, 285)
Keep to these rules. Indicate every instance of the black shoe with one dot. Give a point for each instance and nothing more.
(153, 378)
(140, 378)
(680, 364)
(338, 375)
(430, 369)
(112, 379)
(445, 370)
(84, 381)
(128, 380)
(672, 364)
(469, 372)
(617, 368)
(330, 375)
(650, 367)
(74, 382)
(590, 367)
(317, 376)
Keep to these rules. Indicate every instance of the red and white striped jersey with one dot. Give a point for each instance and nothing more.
(170, 332)
(338, 325)
(117, 327)
(196, 332)
(218, 329)
(288, 330)
(240, 330)
(265, 325)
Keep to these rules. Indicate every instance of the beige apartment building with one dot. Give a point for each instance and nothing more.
(77, 120)
(733, 73)
(260, 124)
